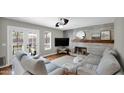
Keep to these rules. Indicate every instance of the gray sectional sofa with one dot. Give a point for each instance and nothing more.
(105, 63)
(96, 63)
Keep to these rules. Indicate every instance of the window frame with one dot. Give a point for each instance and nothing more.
(50, 43)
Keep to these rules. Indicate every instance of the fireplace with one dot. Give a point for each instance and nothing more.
(80, 50)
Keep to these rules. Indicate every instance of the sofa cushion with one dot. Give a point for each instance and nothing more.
(99, 51)
(93, 59)
(33, 66)
(108, 65)
(87, 69)
(50, 67)
(110, 51)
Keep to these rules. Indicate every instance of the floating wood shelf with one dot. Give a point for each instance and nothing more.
(94, 41)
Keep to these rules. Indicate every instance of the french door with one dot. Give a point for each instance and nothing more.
(22, 39)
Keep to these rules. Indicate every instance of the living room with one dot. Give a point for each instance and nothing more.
(66, 45)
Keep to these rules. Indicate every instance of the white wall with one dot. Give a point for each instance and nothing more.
(119, 38)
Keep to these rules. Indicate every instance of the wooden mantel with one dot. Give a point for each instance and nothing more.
(94, 41)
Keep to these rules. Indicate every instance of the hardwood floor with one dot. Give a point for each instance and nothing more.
(6, 70)
(52, 57)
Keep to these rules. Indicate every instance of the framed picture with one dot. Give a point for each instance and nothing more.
(96, 36)
(105, 35)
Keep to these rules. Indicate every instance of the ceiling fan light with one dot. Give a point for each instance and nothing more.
(62, 22)
(60, 26)
(57, 24)
(66, 21)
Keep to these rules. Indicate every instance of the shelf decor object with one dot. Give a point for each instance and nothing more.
(80, 35)
(95, 36)
(105, 35)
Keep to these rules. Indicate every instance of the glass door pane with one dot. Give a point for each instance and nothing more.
(32, 44)
(47, 40)
(17, 42)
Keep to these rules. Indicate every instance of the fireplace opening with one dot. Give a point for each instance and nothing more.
(80, 50)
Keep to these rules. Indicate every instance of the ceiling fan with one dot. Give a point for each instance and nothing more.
(62, 22)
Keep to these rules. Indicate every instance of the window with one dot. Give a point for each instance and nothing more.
(47, 40)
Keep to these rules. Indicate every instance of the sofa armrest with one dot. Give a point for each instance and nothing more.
(121, 72)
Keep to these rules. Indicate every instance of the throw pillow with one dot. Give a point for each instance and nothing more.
(77, 59)
(108, 65)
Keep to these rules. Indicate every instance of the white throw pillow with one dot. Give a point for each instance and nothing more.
(77, 59)
(108, 65)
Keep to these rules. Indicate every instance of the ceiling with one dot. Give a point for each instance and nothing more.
(74, 22)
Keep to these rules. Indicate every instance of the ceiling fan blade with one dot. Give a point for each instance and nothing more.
(66, 21)
(57, 24)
